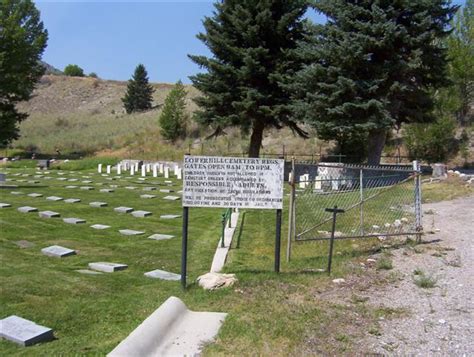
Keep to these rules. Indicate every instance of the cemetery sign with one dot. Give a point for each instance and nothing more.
(233, 182)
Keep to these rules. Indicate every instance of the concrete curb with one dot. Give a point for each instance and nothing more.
(172, 330)
(220, 255)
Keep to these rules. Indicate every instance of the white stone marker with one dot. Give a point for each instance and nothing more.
(164, 190)
(148, 167)
(54, 198)
(141, 214)
(170, 216)
(164, 275)
(119, 169)
(155, 171)
(160, 236)
(123, 209)
(98, 204)
(175, 169)
(5, 205)
(99, 169)
(130, 232)
(149, 188)
(172, 198)
(58, 251)
(108, 168)
(26, 209)
(167, 172)
(106, 190)
(107, 267)
(147, 196)
(179, 175)
(71, 187)
(143, 171)
(318, 183)
(35, 195)
(87, 188)
(49, 214)
(100, 226)
(132, 170)
(161, 168)
(136, 167)
(72, 200)
(74, 220)
(24, 332)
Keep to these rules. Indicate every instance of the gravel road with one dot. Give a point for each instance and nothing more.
(439, 321)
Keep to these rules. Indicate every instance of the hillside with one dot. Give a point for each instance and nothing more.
(85, 116)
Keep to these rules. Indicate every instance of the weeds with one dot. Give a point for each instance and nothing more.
(384, 263)
(423, 280)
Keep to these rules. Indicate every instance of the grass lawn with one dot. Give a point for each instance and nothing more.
(269, 314)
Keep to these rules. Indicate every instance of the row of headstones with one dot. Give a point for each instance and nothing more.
(145, 169)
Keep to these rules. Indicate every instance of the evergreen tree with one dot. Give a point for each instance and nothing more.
(371, 67)
(22, 42)
(73, 70)
(139, 93)
(250, 41)
(173, 117)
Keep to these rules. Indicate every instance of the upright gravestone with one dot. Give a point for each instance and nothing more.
(99, 168)
(167, 172)
(179, 174)
(143, 171)
(108, 168)
(161, 168)
(119, 169)
(2, 177)
(155, 171)
(439, 171)
(24, 332)
(132, 170)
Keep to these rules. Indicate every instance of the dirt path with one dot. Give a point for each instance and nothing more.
(440, 320)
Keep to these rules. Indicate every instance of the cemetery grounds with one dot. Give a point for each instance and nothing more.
(291, 313)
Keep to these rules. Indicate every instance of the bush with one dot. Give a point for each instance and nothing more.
(93, 75)
(434, 142)
(173, 117)
(73, 70)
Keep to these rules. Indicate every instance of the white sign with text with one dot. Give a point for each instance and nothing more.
(232, 182)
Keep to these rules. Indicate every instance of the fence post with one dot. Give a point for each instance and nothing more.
(418, 214)
(361, 184)
(291, 209)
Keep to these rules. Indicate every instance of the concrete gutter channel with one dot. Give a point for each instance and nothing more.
(173, 330)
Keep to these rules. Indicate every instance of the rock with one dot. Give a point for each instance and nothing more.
(442, 321)
(339, 281)
(212, 281)
(371, 260)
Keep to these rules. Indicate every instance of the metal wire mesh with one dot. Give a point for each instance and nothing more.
(378, 201)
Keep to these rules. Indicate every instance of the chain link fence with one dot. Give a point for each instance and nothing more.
(378, 201)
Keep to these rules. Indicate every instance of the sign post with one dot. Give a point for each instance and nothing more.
(232, 182)
(334, 211)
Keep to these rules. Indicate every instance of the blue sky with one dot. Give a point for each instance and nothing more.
(112, 37)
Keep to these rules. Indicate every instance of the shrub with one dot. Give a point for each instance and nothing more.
(93, 75)
(173, 117)
(424, 281)
(384, 263)
(434, 142)
(73, 70)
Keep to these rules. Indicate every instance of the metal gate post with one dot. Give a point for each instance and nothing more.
(361, 184)
(291, 209)
(418, 213)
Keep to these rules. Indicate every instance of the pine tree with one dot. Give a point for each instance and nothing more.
(22, 42)
(139, 92)
(173, 117)
(250, 41)
(371, 67)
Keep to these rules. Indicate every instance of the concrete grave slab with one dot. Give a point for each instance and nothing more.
(89, 272)
(58, 251)
(24, 332)
(130, 232)
(72, 200)
(170, 216)
(86, 181)
(172, 330)
(164, 190)
(17, 193)
(100, 226)
(107, 267)
(149, 188)
(49, 214)
(27, 209)
(168, 181)
(147, 196)
(54, 198)
(87, 188)
(172, 198)
(98, 204)
(4, 205)
(71, 187)
(123, 209)
(131, 187)
(163, 275)
(160, 236)
(61, 178)
(33, 181)
(141, 214)
(24, 243)
(74, 220)
(107, 190)
(35, 195)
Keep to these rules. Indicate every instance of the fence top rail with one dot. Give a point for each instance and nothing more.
(403, 168)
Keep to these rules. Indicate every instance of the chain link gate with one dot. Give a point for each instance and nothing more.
(379, 201)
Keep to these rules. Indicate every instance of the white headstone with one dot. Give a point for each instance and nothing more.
(147, 196)
(143, 171)
(164, 275)
(74, 220)
(132, 170)
(160, 236)
(49, 214)
(148, 167)
(167, 172)
(98, 204)
(161, 168)
(141, 213)
(170, 216)
(99, 169)
(130, 232)
(24, 332)
(119, 169)
(122, 209)
(179, 174)
(107, 267)
(26, 209)
(318, 183)
(57, 251)
(72, 200)
(99, 226)
(155, 171)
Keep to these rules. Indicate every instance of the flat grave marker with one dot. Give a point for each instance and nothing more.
(149, 188)
(35, 195)
(54, 198)
(172, 198)
(163, 275)
(89, 272)
(107, 190)
(123, 209)
(27, 209)
(72, 220)
(158, 236)
(130, 232)
(170, 216)
(49, 214)
(58, 251)
(71, 187)
(100, 226)
(164, 190)
(72, 200)
(24, 243)
(107, 267)
(141, 214)
(147, 196)
(98, 204)
(17, 193)
(24, 332)
(4, 205)
(87, 188)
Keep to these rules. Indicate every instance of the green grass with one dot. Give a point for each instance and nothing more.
(384, 263)
(424, 280)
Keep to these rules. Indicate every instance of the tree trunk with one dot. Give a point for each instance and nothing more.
(376, 143)
(256, 138)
